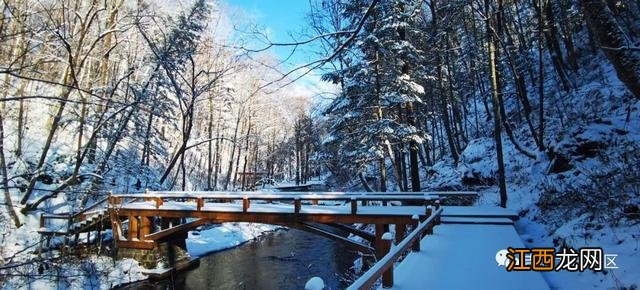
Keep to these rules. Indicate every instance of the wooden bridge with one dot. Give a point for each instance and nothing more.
(156, 216)
(144, 221)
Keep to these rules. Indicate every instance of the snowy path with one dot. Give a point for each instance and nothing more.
(462, 256)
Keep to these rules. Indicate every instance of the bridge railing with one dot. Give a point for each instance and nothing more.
(200, 199)
(384, 267)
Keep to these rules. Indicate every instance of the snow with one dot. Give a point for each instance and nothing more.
(592, 114)
(227, 235)
(94, 272)
(314, 283)
(462, 257)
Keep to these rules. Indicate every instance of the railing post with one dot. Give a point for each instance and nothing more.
(427, 206)
(296, 205)
(414, 225)
(378, 241)
(159, 202)
(245, 204)
(437, 219)
(200, 203)
(429, 230)
(400, 230)
(354, 205)
(387, 276)
(42, 220)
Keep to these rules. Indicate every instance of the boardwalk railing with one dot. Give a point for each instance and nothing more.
(384, 267)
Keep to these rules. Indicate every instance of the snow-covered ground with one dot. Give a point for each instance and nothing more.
(582, 192)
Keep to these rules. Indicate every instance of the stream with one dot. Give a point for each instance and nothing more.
(285, 259)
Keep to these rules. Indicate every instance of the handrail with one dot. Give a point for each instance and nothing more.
(94, 205)
(70, 217)
(365, 193)
(388, 197)
(374, 273)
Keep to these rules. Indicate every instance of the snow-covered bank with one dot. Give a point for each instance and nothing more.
(225, 236)
(92, 271)
(70, 272)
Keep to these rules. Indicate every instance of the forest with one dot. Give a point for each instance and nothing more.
(532, 103)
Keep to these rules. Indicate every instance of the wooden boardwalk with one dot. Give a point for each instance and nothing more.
(460, 254)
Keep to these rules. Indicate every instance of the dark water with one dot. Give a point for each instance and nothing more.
(284, 259)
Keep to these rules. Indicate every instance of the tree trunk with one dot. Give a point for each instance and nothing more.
(5, 179)
(210, 144)
(496, 111)
(233, 150)
(614, 44)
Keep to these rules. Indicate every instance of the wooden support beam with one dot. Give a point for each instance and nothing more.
(145, 227)
(347, 242)
(133, 228)
(175, 230)
(352, 230)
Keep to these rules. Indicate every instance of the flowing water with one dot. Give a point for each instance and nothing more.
(285, 259)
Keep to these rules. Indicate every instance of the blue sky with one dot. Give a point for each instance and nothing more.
(285, 21)
(282, 18)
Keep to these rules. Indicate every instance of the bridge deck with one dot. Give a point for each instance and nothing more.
(462, 256)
